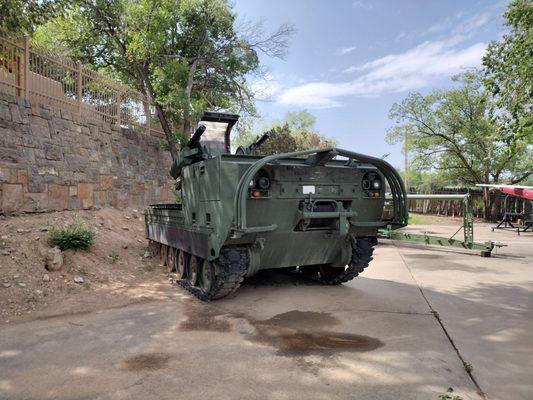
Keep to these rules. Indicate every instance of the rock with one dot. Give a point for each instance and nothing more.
(124, 246)
(7, 284)
(147, 254)
(44, 229)
(79, 279)
(37, 238)
(127, 217)
(5, 237)
(39, 291)
(16, 276)
(46, 278)
(6, 252)
(54, 259)
(125, 228)
(22, 284)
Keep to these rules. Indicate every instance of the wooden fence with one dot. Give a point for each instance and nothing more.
(453, 207)
(39, 75)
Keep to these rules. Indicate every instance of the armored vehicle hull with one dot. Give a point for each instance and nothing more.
(308, 210)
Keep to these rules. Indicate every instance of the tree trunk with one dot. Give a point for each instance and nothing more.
(188, 92)
(486, 204)
(167, 129)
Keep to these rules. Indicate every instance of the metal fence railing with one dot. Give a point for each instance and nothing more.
(39, 75)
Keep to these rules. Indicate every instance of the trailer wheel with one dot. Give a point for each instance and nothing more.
(192, 273)
(181, 265)
(206, 276)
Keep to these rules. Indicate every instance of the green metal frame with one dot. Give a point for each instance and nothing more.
(320, 157)
(431, 240)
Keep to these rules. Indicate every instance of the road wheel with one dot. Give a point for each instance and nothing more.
(154, 248)
(329, 274)
(192, 273)
(171, 259)
(206, 276)
(163, 255)
(181, 264)
(310, 271)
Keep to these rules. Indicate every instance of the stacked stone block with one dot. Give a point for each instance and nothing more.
(52, 159)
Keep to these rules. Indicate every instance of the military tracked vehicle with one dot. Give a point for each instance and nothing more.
(315, 211)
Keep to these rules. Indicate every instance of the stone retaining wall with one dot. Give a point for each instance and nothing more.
(51, 159)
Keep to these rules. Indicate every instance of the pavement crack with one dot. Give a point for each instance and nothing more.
(479, 391)
(392, 312)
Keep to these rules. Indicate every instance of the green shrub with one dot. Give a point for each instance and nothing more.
(74, 236)
(114, 256)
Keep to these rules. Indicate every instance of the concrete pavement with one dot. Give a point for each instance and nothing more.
(285, 338)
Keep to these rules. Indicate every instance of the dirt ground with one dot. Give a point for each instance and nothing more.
(27, 287)
(418, 321)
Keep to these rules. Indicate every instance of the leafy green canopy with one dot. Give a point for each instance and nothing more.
(509, 72)
(187, 55)
(452, 131)
(23, 16)
(296, 131)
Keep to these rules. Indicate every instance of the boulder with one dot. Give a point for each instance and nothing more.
(54, 259)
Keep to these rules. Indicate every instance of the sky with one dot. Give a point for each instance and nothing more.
(349, 61)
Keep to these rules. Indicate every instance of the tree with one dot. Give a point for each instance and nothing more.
(509, 72)
(451, 132)
(281, 141)
(296, 131)
(185, 55)
(23, 16)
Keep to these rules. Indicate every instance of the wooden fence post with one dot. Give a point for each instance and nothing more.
(79, 83)
(26, 76)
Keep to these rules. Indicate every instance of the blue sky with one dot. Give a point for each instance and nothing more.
(350, 61)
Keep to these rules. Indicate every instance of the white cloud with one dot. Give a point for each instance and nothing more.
(415, 68)
(362, 4)
(464, 27)
(345, 50)
(265, 89)
(350, 69)
(400, 36)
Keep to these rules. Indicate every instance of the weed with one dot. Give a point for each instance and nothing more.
(468, 367)
(68, 260)
(447, 395)
(74, 236)
(113, 255)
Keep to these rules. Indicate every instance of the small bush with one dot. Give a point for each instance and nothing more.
(114, 256)
(74, 236)
(468, 367)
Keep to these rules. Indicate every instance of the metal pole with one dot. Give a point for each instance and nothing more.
(119, 103)
(79, 84)
(406, 163)
(411, 196)
(26, 67)
(148, 113)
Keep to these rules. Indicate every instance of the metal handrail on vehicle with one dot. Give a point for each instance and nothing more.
(391, 175)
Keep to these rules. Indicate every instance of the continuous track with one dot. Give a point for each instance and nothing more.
(230, 270)
(362, 251)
